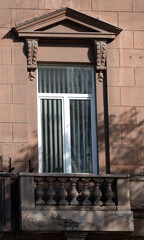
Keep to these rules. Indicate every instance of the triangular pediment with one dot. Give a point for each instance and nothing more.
(66, 26)
(66, 23)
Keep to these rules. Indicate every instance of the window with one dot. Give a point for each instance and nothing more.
(65, 104)
(66, 119)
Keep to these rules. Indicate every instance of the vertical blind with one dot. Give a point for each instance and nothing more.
(65, 80)
(51, 129)
(81, 146)
(56, 79)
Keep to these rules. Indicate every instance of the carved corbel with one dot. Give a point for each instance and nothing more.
(100, 54)
(32, 46)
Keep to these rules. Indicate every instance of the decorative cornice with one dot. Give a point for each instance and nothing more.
(32, 46)
(47, 20)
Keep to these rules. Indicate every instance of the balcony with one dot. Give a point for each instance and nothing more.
(5, 202)
(75, 202)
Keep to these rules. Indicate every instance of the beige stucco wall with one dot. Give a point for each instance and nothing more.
(125, 81)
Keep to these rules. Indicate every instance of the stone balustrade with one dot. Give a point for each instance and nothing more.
(75, 202)
(75, 190)
(5, 202)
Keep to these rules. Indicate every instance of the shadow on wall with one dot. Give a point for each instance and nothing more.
(19, 157)
(126, 140)
(126, 145)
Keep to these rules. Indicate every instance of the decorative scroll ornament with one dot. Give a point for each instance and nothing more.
(100, 50)
(32, 57)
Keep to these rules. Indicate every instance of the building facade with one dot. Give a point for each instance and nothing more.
(72, 117)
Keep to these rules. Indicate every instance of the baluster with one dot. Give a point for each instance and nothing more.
(39, 191)
(97, 192)
(50, 193)
(86, 192)
(109, 194)
(62, 192)
(74, 192)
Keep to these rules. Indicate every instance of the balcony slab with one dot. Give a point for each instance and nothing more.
(97, 221)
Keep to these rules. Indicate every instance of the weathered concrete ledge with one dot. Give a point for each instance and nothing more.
(101, 221)
(86, 175)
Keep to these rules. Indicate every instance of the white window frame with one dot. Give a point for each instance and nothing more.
(66, 97)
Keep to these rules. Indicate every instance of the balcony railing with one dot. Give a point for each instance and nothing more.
(5, 202)
(77, 202)
(80, 190)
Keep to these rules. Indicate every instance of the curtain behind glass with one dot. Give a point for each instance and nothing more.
(51, 131)
(81, 143)
(60, 79)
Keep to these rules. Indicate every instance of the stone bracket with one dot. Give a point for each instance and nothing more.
(32, 46)
(100, 55)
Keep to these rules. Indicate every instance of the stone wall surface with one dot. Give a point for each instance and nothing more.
(125, 88)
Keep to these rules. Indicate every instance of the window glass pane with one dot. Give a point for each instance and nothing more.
(65, 79)
(81, 142)
(51, 131)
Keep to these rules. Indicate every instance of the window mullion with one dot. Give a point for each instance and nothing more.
(94, 147)
(40, 136)
(67, 150)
